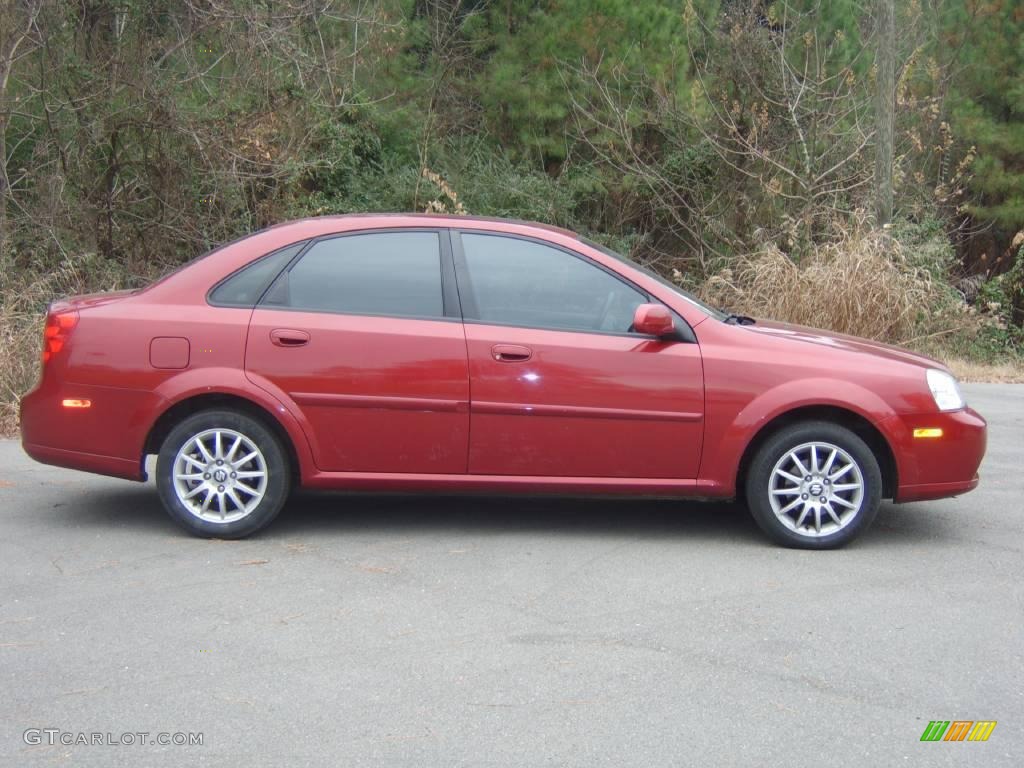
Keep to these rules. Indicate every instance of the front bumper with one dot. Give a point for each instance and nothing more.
(937, 467)
(927, 491)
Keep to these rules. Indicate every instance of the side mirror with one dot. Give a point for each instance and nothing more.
(653, 320)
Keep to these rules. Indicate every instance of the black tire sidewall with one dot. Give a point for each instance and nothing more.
(278, 473)
(759, 477)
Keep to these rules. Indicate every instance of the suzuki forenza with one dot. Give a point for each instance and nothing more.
(430, 353)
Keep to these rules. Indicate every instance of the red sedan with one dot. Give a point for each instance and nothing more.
(432, 353)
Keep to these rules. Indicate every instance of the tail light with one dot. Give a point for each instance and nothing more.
(58, 327)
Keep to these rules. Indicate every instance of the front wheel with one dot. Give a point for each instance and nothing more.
(814, 485)
(222, 474)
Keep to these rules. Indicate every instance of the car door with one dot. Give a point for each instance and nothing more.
(560, 384)
(362, 331)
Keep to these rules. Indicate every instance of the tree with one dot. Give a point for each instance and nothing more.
(18, 38)
(769, 144)
(885, 61)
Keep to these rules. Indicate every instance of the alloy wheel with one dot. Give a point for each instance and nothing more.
(220, 475)
(816, 489)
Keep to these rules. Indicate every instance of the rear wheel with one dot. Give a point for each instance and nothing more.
(814, 485)
(222, 474)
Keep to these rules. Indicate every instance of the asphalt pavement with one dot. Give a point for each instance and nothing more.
(410, 631)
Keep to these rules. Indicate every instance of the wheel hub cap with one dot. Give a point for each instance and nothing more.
(220, 475)
(816, 489)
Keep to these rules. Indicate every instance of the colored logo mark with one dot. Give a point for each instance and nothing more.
(958, 730)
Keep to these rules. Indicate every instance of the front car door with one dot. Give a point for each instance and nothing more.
(363, 333)
(560, 384)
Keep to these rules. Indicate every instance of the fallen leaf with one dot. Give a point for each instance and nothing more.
(376, 569)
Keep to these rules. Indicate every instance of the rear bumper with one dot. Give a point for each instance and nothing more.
(105, 438)
(935, 468)
(86, 462)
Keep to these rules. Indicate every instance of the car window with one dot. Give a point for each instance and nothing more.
(244, 288)
(525, 283)
(384, 273)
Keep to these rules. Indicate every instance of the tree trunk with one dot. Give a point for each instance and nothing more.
(16, 22)
(3, 181)
(885, 61)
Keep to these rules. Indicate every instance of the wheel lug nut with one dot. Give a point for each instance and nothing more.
(219, 462)
(234, 475)
(827, 481)
(803, 496)
(220, 489)
(822, 499)
(808, 478)
(206, 476)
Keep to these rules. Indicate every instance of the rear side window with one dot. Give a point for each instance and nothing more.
(384, 273)
(244, 288)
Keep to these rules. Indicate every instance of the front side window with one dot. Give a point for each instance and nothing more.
(383, 273)
(525, 283)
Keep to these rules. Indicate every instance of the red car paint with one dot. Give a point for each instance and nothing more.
(389, 403)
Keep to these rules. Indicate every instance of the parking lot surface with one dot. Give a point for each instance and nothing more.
(409, 631)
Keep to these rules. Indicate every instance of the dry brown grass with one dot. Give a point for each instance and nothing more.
(1001, 373)
(23, 300)
(21, 333)
(859, 284)
(863, 284)
(18, 375)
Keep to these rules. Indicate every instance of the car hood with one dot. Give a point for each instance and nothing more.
(803, 334)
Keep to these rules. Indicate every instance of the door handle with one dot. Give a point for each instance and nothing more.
(511, 353)
(288, 337)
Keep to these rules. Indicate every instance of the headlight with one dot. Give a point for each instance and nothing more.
(945, 390)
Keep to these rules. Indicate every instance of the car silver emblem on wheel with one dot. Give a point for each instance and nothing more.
(220, 475)
(816, 489)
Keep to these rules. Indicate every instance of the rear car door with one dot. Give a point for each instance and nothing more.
(362, 331)
(560, 384)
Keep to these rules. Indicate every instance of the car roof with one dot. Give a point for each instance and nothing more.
(180, 286)
(356, 220)
(240, 251)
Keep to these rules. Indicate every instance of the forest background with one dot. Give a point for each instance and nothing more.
(849, 164)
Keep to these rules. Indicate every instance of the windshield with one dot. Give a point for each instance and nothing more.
(715, 313)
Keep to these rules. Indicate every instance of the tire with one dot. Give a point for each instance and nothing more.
(252, 481)
(788, 507)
